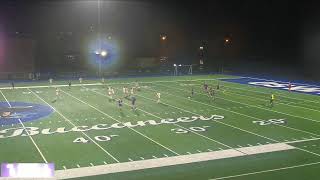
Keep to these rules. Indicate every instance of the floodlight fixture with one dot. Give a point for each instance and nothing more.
(104, 53)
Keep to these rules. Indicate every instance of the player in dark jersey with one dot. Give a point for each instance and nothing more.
(289, 86)
(12, 84)
(133, 103)
(205, 87)
(192, 92)
(69, 83)
(211, 93)
(120, 104)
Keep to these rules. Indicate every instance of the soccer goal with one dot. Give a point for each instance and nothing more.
(182, 69)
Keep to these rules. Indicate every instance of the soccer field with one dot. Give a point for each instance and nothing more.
(237, 135)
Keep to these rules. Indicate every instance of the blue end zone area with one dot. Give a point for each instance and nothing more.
(295, 87)
(22, 111)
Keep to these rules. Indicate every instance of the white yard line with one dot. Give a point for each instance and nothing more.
(303, 140)
(121, 122)
(169, 161)
(265, 171)
(206, 137)
(32, 140)
(53, 86)
(75, 126)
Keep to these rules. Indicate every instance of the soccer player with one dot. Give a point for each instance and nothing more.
(57, 95)
(69, 83)
(158, 95)
(12, 84)
(133, 103)
(110, 93)
(218, 86)
(120, 104)
(127, 91)
(102, 80)
(132, 91)
(192, 92)
(211, 93)
(137, 86)
(80, 80)
(205, 87)
(124, 90)
(50, 81)
(289, 86)
(272, 98)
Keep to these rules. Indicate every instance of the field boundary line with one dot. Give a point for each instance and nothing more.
(145, 136)
(265, 171)
(75, 126)
(32, 140)
(169, 161)
(90, 84)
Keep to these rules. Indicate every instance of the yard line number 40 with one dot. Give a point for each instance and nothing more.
(97, 138)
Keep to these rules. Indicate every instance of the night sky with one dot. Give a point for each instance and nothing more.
(277, 35)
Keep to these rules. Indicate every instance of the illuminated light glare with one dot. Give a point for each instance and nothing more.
(164, 37)
(201, 47)
(97, 52)
(104, 53)
(180, 65)
(174, 65)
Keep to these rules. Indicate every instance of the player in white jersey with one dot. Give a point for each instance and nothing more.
(112, 91)
(158, 95)
(132, 91)
(80, 80)
(136, 84)
(50, 81)
(124, 90)
(57, 95)
(127, 92)
(102, 80)
(57, 92)
(110, 94)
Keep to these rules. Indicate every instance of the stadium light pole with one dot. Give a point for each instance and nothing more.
(227, 42)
